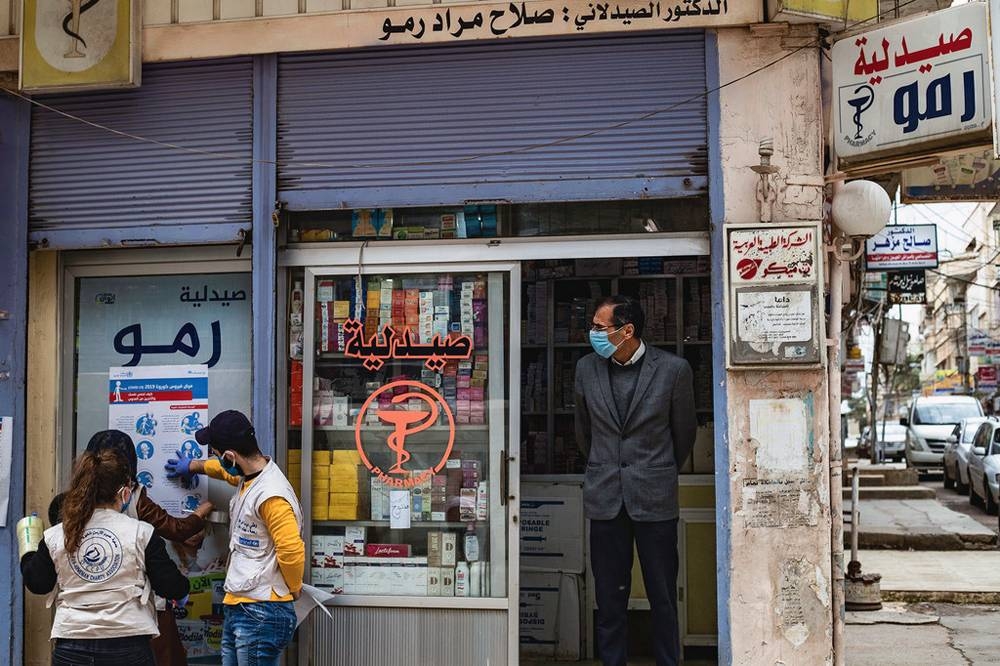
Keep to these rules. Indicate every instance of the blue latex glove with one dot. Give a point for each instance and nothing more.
(179, 467)
(180, 603)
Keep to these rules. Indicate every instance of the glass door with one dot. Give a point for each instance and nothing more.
(407, 444)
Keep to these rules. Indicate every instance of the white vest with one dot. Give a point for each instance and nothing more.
(102, 590)
(253, 563)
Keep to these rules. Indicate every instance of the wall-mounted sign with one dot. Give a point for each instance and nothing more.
(913, 88)
(80, 44)
(971, 176)
(541, 18)
(773, 295)
(986, 378)
(902, 247)
(907, 287)
(842, 11)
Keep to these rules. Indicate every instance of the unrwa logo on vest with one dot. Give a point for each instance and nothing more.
(99, 556)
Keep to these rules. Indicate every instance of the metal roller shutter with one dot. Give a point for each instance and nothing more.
(403, 126)
(89, 187)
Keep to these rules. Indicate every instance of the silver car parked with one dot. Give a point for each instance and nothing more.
(957, 452)
(984, 466)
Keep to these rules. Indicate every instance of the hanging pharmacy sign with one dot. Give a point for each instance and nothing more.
(773, 295)
(914, 88)
(968, 176)
(902, 247)
(907, 287)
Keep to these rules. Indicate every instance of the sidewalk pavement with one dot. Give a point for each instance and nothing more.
(959, 576)
(917, 524)
(948, 635)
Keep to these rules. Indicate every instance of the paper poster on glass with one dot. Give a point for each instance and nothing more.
(160, 408)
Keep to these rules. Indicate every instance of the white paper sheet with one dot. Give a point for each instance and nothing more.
(310, 599)
(399, 509)
(6, 452)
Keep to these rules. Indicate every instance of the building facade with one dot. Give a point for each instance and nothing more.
(506, 164)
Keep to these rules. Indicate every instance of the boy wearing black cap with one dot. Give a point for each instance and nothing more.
(267, 554)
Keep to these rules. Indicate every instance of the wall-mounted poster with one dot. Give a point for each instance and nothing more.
(773, 296)
(902, 246)
(80, 44)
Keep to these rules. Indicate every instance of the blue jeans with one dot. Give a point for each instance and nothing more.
(256, 634)
(129, 651)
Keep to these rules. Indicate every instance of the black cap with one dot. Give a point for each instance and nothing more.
(228, 430)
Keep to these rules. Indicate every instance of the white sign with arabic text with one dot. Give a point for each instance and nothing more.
(901, 246)
(916, 82)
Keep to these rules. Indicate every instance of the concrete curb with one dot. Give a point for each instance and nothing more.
(916, 596)
(941, 541)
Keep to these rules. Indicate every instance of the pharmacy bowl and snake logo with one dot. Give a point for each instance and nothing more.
(863, 100)
(75, 35)
(99, 556)
(414, 407)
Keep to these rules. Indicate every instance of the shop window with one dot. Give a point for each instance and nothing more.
(500, 220)
(155, 320)
(405, 432)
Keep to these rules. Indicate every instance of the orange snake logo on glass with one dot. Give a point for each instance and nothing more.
(405, 421)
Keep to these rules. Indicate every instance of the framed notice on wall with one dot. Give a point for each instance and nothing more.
(773, 276)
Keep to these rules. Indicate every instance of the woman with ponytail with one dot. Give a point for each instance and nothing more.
(103, 567)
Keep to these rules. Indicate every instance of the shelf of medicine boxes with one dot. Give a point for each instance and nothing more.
(643, 276)
(428, 524)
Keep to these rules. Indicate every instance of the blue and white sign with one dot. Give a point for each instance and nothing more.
(913, 87)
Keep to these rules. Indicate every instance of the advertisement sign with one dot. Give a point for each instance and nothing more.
(902, 247)
(80, 45)
(138, 321)
(161, 408)
(986, 378)
(913, 87)
(907, 287)
(970, 176)
(773, 275)
(846, 11)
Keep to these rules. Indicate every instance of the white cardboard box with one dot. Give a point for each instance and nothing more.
(552, 527)
(395, 576)
(550, 615)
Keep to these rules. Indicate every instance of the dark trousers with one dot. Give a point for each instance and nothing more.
(129, 651)
(611, 560)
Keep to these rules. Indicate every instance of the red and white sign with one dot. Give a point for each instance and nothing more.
(387, 550)
(772, 254)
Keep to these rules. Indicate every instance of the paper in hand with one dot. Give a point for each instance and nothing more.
(309, 599)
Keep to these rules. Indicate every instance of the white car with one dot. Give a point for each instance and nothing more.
(984, 465)
(929, 422)
(890, 441)
(956, 453)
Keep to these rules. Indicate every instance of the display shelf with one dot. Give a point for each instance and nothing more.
(428, 524)
(477, 427)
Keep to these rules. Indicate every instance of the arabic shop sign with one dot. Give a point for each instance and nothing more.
(970, 176)
(907, 288)
(539, 19)
(913, 87)
(139, 321)
(773, 295)
(900, 246)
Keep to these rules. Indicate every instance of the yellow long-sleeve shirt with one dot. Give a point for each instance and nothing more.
(279, 519)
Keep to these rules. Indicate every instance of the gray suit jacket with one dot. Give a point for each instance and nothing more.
(635, 461)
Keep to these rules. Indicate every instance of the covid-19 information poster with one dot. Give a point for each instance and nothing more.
(161, 407)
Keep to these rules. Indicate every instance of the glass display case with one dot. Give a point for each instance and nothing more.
(399, 430)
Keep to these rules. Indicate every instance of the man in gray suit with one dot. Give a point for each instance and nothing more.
(636, 424)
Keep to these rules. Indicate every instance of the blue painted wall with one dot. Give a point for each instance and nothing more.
(716, 203)
(15, 121)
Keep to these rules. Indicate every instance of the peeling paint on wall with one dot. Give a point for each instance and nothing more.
(791, 611)
(781, 432)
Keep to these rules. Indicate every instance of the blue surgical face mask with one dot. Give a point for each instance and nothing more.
(125, 503)
(231, 468)
(602, 345)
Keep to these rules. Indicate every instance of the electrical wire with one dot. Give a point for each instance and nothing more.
(457, 160)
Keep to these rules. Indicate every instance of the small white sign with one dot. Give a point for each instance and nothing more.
(914, 83)
(399, 509)
(902, 246)
(765, 319)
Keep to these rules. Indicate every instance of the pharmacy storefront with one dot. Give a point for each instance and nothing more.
(447, 216)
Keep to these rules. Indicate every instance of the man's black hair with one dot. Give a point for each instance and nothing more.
(625, 310)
